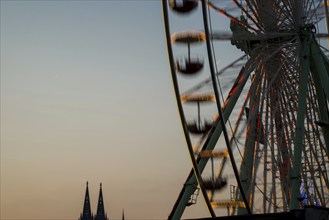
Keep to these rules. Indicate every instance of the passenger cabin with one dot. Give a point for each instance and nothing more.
(183, 6)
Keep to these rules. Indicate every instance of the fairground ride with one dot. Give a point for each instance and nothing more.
(256, 129)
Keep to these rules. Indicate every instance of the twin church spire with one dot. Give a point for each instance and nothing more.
(87, 214)
(100, 214)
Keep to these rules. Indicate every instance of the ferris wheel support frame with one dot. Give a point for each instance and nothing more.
(319, 68)
(327, 16)
(312, 61)
(248, 156)
(301, 108)
(191, 182)
(219, 107)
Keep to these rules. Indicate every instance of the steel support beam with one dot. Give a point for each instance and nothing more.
(191, 182)
(299, 132)
(320, 73)
(246, 172)
(219, 107)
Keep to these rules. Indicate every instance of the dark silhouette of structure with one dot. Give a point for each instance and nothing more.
(87, 214)
(100, 214)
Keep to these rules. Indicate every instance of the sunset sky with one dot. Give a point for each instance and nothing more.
(87, 95)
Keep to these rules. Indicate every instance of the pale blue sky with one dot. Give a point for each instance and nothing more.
(86, 94)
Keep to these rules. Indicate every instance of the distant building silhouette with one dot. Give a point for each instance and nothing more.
(100, 215)
(87, 214)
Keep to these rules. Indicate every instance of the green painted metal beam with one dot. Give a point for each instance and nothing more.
(320, 73)
(246, 172)
(299, 132)
(320, 67)
(191, 182)
(219, 107)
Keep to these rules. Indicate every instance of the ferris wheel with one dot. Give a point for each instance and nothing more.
(256, 128)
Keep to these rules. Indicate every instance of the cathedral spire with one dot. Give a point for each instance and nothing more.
(100, 215)
(86, 213)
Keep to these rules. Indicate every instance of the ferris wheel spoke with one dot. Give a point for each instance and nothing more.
(253, 9)
(255, 183)
(229, 103)
(244, 10)
(323, 79)
(314, 13)
(230, 16)
(311, 170)
(307, 8)
(274, 164)
(236, 63)
(310, 177)
(273, 15)
(313, 178)
(267, 147)
(220, 170)
(289, 123)
(278, 143)
(318, 154)
(248, 157)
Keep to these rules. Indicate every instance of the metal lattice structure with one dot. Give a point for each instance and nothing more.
(268, 123)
